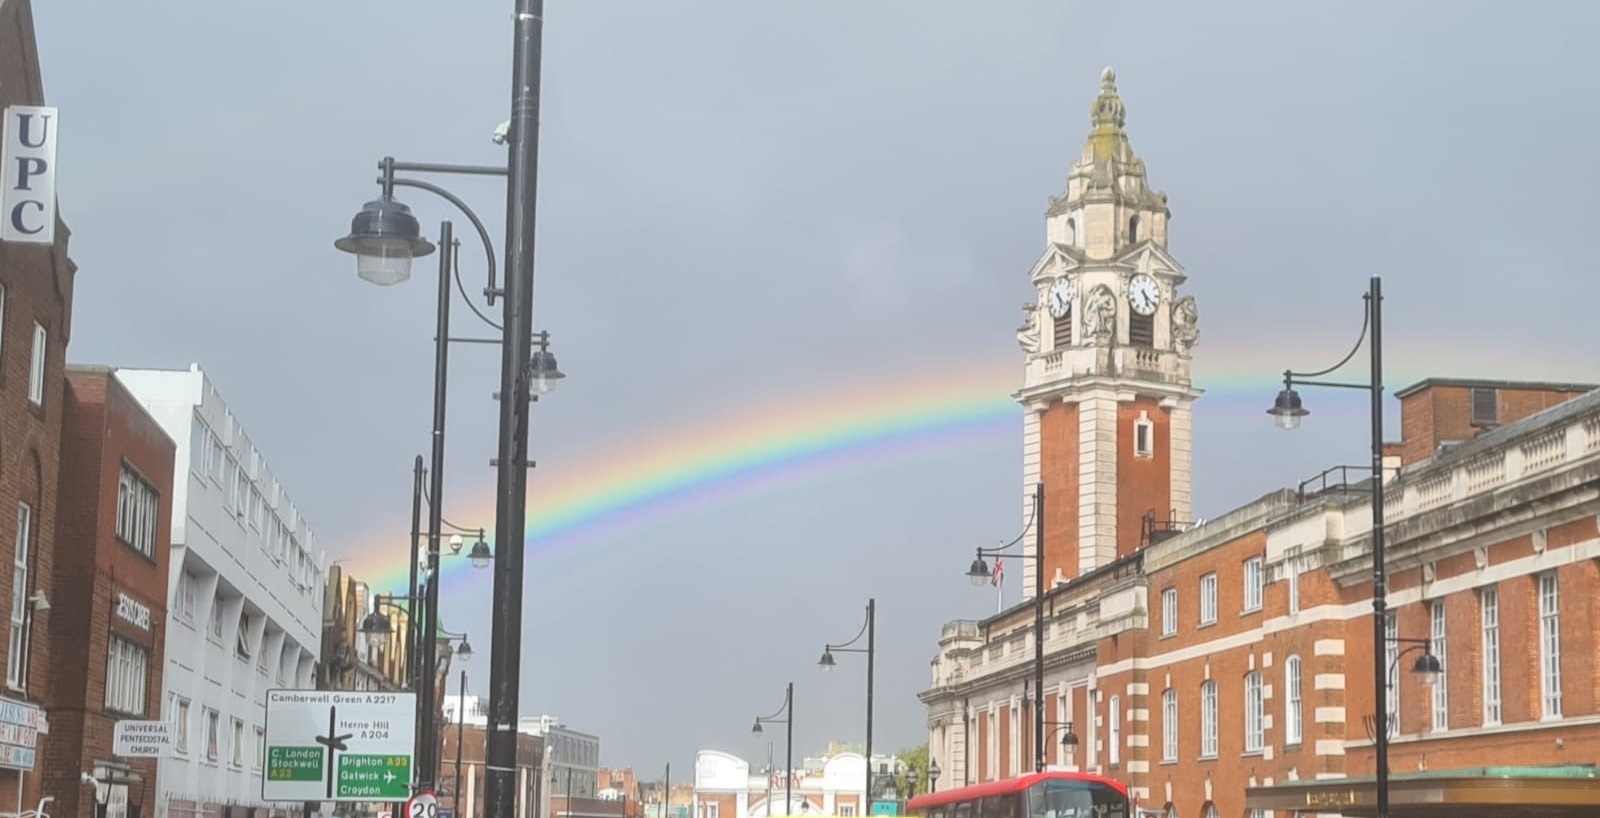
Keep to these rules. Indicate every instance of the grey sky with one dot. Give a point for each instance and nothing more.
(744, 203)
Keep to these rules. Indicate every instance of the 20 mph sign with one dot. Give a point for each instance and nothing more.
(423, 805)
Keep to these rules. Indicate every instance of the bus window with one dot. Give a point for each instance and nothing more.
(1075, 799)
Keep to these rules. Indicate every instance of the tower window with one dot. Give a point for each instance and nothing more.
(1133, 230)
(1141, 330)
(1072, 232)
(1063, 328)
(1144, 436)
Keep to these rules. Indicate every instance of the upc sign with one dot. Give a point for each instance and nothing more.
(28, 168)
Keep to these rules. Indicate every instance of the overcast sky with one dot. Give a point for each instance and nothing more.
(745, 205)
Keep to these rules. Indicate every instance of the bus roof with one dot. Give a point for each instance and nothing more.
(1006, 786)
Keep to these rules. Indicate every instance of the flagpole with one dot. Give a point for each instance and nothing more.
(999, 587)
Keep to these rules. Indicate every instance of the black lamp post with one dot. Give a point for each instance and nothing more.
(933, 774)
(385, 237)
(979, 574)
(869, 630)
(787, 712)
(1288, 411)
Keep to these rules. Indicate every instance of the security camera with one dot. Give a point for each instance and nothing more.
(89, 779)
(502, 132)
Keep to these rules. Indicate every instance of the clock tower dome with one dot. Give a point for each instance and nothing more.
(1107, 341)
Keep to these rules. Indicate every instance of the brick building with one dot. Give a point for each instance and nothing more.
(36, 284)
(108, 595)
(1217, 667)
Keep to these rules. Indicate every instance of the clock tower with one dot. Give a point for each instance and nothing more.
(1106, 388)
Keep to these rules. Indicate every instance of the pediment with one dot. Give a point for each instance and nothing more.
(1149, 257)
(1055, 260)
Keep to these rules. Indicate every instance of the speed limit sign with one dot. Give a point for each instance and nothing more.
(423, 805)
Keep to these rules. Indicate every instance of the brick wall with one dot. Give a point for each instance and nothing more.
(1437, 411)
(38, 282)
(104, 430)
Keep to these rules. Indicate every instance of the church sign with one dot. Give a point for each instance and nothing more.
(28, 174)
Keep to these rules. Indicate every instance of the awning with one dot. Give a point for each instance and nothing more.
(1567, 791)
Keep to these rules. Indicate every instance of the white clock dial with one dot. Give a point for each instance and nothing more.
(1144, 294)
(1060, 298)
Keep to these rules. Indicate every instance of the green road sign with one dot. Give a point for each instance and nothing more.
(333, 745)
(375, 777)
(294, 764)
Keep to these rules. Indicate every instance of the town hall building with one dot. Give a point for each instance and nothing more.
(1226, 668)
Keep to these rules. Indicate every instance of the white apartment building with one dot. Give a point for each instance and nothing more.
(572, 759)
(246, 607)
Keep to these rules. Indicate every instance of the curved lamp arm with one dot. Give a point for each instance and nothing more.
(483, 234)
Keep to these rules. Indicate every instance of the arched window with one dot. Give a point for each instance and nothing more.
(1133, 230)
(1254, 715)
(1169, 725)
(1072, 233)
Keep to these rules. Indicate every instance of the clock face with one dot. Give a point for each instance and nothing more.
(1060, 298)
(1144, 294)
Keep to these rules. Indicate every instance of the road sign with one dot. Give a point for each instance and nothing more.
(423, 805)
(327, 745)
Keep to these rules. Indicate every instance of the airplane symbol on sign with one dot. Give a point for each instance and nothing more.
(389, 777)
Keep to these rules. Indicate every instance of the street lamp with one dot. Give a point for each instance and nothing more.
(521, 135)
(1288, 411)
(384, 237)
(980, 574)
(787, 712)
(869, 630)
(480, 556)
(933, 774)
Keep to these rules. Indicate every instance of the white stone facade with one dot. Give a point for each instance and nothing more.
(725, 786)
(246, 607)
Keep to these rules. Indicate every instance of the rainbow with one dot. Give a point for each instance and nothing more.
(939, 409)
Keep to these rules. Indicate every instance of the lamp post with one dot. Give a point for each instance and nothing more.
(1069, 739)
(869, 630)
(461, 725)
(933, 775)
(979, 574)
(787, 712)
(385, 238)
(1288, 411)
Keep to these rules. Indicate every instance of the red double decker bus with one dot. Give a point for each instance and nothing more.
(1036, 795)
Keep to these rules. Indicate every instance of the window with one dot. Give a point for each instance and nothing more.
(1485, 406)
(1141, 330)
(1391, 657)
(197, 446)
(1169, 725)
(1208, 599)
(41, 346)
(1550, 644)
(126, 665)
(16, 655)
(241, 495)
(1254, 715)
(845, 810)
(1114, 717)
(242, 646)
(230, 483)
(236, 744)
(260, 753)
(1292, 721)
(1254, 579)
(214, 457)
(1489, 602)
(216, 617)
(1441, 686)
(2, 311)
(186, 590)
(1144, 436)
(212, 739)
(137, 506)
(994, 745)
(180, 724)
(1294, 588)
(1208, 719)
(1169, 611)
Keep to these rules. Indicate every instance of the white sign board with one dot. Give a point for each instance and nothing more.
(20, 726)
(28, 172)
(331, 745)
(141, 739)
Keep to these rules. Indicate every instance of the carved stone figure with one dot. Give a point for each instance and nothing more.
(1185, 323)
(1100, 314)
(1028, 333)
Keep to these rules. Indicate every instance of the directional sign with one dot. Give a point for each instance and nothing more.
(423, 805)
(327, 745)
